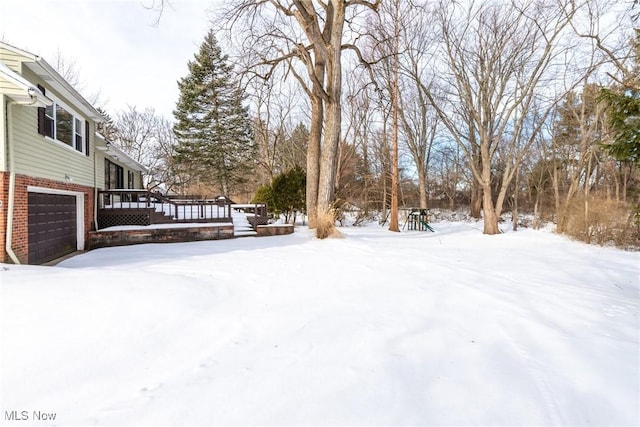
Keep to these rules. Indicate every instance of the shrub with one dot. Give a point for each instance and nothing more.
(326, 225)
(286, 194)
(264, 194)
(607, 223)
(289, 192)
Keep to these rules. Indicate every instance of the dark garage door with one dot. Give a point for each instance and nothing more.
(52, 226)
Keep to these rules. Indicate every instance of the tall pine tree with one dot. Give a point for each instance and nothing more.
(214, 132)
(624, 109)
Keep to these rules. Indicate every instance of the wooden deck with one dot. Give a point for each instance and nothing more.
(141, 207)
(127, 217)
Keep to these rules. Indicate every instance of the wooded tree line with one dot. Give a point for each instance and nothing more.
(522, 106)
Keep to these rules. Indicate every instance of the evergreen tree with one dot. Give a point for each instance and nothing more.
(289, 192)
(213, 128)
(624, 110)
(286, 194)
(107, 127)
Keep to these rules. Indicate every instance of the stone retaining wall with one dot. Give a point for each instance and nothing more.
(101, 239)
(274, 230)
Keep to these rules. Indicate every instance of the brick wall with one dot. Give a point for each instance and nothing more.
(4, 198)
(20, 236)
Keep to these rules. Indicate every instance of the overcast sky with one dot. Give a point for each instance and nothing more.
(116, 49)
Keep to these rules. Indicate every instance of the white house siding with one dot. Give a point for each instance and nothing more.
(9, 88)
(100, 156)
(12, 59)
(43, 157)
(39, 156)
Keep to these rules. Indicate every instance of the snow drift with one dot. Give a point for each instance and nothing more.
(451, 327)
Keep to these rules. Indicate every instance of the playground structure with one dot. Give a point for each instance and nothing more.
(418, 220)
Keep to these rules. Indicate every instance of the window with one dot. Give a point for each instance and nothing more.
(58, 122)
(64, 126)
(113, 175)
(49, 121)
(78, 134)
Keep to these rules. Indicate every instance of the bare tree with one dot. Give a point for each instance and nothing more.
(418, 117)
(576, 143)
(499, 60)
(406, 23)
(448, 172)
(148, 139)
(360, 119)
(611, 41)
(293, 152)
(395, 186)
(274, 103)
(279, 32)
(70, 71)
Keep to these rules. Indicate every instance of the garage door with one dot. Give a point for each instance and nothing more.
(52, 226)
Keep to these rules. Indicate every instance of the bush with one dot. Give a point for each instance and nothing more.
(608, 223)
(325, 226)
(286, 194)
(289, 192)
(264, 194)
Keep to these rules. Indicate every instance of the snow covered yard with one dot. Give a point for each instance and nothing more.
(415, 328)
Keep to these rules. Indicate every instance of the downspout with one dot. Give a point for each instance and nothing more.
(12, 176)
(12, 185)
(95, 185)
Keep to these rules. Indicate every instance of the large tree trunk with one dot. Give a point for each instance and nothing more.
(422, 185)
(514, 212)
(326, 183)
(488, 210)
(313, 159)
(333, 119)
(393, 220)
(476, 188)
(476, 201)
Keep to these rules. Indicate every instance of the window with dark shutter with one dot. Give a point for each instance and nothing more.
(60, 123)
(42, 128)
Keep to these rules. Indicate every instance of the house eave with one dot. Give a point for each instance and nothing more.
(27, 92)
(118, 154)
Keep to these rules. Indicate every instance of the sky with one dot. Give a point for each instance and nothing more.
(118, 52)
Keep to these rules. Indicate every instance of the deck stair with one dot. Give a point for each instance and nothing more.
(241, 226)
(159, 217)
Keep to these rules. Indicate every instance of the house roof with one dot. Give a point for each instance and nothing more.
(27, 92)
(47, 73)
(118, 154)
